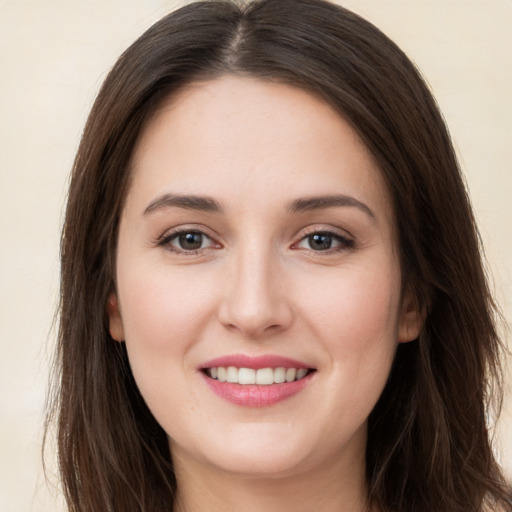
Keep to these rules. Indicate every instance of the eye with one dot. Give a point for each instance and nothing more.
(189, 241)
(325, 241)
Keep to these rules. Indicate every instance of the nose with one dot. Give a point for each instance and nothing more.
(255, 302)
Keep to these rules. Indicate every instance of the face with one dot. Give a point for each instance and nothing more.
(258, 282)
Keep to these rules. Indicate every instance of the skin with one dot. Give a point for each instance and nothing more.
(258, 285)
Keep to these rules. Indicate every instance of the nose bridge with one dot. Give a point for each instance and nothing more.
(255, 302)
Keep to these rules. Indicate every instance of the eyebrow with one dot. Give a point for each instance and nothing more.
(208, 204)
(188, 202)
(331, 201)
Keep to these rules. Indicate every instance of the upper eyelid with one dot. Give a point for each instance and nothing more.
(301, 234)
(190, 228)
(346, 240)
(343, 240)
(165, 241)
(319, 228)
(176, 234)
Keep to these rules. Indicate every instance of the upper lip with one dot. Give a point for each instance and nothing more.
(254, 362)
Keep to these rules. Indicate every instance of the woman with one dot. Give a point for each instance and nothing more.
(272, 292)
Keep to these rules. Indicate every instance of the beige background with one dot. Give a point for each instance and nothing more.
(54, 55)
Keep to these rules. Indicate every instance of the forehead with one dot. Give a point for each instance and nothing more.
(253, 136)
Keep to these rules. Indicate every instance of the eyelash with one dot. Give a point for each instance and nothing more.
(343, 243)
(168, 238)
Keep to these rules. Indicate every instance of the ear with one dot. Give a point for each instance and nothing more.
(412, 317)
(115, 322)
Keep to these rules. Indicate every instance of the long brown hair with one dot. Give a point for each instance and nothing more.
(428, 445)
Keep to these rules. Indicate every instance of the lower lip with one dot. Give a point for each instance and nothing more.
(253, 395)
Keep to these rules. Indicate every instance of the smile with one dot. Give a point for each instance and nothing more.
(256, 381)
(261, 376)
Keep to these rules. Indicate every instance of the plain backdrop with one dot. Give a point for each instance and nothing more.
(54, 55)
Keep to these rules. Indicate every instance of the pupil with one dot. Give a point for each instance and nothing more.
(320, 242)
(191, 241)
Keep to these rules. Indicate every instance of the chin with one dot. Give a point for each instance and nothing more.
(258, 465)
(263, 450)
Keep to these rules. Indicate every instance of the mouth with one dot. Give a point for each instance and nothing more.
(261, 376)
(256, 381)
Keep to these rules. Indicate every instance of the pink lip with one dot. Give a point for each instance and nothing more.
(243, 361)
(254, 395)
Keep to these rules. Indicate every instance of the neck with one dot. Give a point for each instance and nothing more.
(336, 487)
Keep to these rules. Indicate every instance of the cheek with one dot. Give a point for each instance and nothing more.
(357, 309)
(161, 301)
(357, 325)
(355, 319)
(164, 313)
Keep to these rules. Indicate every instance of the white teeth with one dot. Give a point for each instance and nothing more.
(262, 376)
(232, 374)
(246, 376)
(265, 376)
(301, 373)
(291, 373)
(221, 374)
(279, 375)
